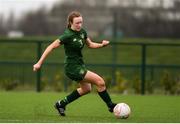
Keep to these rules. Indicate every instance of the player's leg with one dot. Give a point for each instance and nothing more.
(76, 73)
(82, 90)
(101, 87)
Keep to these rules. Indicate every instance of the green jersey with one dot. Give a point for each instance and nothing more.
(73, 42)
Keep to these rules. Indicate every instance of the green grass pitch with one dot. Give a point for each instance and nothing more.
(38, 107)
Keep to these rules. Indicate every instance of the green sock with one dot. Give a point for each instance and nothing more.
(70, 98)
(106, 98)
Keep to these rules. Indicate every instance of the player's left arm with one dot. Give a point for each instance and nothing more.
(94, 45)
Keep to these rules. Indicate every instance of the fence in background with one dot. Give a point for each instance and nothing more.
(142, 67)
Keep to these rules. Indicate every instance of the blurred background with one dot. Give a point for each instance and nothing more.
(135, 18)
(143, 56)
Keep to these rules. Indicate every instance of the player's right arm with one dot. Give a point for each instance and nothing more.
(48, 50)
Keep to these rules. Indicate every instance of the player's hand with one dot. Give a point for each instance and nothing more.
(105, 42)
(36, 66)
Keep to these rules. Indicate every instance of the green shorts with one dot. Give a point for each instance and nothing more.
(75, 72)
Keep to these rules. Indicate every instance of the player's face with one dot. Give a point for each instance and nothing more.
(77, 23)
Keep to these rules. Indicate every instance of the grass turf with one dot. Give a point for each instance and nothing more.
(38, 107)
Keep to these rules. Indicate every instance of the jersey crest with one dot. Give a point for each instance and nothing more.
(74, 39)
(82, 36)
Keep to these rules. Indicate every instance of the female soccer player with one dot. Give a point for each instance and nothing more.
(74, 38)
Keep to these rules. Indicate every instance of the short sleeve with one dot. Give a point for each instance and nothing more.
(63, 38)
(85, 34)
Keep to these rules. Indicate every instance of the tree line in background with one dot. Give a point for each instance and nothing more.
(99, 20)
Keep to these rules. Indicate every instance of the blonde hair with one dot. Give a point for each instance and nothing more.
(71, 16)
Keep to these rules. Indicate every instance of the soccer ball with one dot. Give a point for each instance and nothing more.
(122, 110)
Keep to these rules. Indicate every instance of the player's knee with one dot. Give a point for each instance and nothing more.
(100, 83)
(86, 90)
